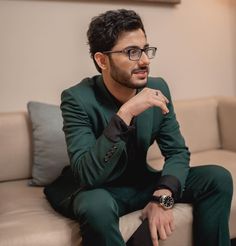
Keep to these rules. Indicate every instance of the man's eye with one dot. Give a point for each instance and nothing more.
(133, 51)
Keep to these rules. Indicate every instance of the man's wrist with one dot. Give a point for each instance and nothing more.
(161, 192)
(171, 183)
(125, 115)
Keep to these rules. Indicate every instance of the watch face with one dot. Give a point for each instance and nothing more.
(167, 201)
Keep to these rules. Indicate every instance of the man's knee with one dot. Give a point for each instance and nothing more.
(209, 179)
(226, 179)
(221, 179)
(95, 207)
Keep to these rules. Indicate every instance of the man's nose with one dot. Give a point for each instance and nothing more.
(144, 60)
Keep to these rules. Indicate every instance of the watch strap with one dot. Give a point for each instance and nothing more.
(155, 199)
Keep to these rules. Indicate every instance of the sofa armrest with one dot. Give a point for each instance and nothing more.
(227, 122)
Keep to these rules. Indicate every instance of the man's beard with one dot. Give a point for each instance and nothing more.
(124, 78)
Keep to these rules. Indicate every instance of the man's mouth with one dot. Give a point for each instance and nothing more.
(140, 71)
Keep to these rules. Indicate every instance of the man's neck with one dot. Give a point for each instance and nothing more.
(120, 92)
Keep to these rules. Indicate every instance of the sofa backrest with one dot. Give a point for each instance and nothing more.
(15, 150)
(227, 120)
(197, 118)
(199, 124)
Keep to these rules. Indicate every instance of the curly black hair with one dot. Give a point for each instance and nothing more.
(105, 29)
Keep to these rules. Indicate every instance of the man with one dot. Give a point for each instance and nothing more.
(110, 121)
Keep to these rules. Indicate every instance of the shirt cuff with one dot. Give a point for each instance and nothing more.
(172, 183)
(117, 129)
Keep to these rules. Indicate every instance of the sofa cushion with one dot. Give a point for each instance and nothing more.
(49, 147)
(27, 219)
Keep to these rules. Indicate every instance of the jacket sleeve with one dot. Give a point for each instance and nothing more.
(174, 150)
(92, 159)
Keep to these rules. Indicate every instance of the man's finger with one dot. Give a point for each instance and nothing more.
(162, 233)
(143, 216)
(161, 104)
(172, 225)
(168, 230)
(163, 107)
(153, 232)
(164, 98)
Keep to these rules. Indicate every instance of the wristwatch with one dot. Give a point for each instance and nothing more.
(165, 201)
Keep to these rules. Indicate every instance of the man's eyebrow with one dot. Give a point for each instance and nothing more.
(135, 46)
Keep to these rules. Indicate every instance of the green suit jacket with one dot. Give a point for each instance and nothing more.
(87, 109)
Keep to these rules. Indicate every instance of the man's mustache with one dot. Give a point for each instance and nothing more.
(141, 69)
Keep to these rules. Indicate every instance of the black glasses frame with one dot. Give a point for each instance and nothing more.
(127, 51)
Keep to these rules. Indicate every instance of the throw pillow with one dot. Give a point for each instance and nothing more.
(49, 147)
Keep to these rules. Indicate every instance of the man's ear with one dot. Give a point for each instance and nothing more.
(101, 60)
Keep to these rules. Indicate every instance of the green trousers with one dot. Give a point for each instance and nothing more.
(208, 188)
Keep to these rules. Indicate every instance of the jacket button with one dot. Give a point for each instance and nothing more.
(112, 152)
(108, 154)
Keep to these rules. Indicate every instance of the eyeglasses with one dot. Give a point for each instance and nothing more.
(134, 54)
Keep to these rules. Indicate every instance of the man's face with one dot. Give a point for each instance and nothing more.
(131, 74)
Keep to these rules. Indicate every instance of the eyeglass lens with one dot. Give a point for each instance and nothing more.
(135, 54)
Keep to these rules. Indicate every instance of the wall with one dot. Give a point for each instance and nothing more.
(43, 47)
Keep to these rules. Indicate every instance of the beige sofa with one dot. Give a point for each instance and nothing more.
(26, 219)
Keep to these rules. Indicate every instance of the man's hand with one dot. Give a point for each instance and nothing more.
(161, 222)
(147, 98)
